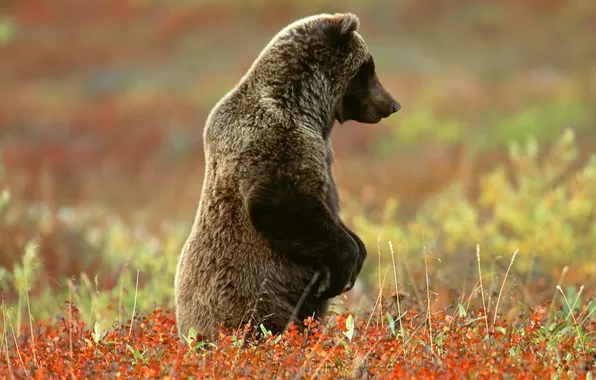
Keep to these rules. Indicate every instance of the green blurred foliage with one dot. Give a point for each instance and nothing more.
(541, 206)
(546, 120)
(536, 208)
(543, 120)
(421, 124)
(7, 30)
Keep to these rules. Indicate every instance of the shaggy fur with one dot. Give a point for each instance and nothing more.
(267, 245)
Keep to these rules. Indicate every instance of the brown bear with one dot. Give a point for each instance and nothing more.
(267, 245)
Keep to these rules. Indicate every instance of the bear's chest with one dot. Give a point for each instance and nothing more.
(332, 196)
(329, 154)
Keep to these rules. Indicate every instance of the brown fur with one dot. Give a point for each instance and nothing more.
(267, 245)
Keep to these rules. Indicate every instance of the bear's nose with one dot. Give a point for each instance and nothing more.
(396, 107)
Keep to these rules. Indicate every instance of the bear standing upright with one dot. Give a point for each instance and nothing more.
(267, 244)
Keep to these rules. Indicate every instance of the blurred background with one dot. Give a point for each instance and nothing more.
(102, 105)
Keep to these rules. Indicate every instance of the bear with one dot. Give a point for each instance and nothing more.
(267, 245)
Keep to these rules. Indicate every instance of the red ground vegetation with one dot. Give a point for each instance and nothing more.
(530, 347)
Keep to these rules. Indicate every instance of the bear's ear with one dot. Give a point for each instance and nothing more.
(339, 26)
(345, 23)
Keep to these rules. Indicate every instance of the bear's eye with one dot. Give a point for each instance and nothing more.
(368, 67)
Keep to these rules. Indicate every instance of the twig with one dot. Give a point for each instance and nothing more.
(481, 287)
(381, 284)
(527, 294)
(552, 302)
(430, 328)
(378, 299)
(29, 312)
(4, 315)
(581, 290)
(503, 286)
(134, 308)
(572, 316)
(401, 329)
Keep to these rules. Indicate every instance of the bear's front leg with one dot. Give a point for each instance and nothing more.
(341, 270)
(325, 272)
(324, 282)
(362, 254)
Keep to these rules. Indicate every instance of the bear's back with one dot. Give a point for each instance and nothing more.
(224, 262)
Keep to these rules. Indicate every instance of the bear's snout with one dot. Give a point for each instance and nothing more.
(387, 106)
(392, 107)
(383, 103)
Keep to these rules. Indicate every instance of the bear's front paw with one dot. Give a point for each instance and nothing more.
(362, 254)
(336, 285)
(349, 285)
(324, 281)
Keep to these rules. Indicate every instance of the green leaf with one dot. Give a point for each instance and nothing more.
(555, 328)
(7, 30)
(350, 326)
(192, 334)
(462, 310)
(391, 323)
(96, 332)
(4, 198)
(264, 330)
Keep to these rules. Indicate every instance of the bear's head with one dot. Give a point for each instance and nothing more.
(322, 62)
(364, 98)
